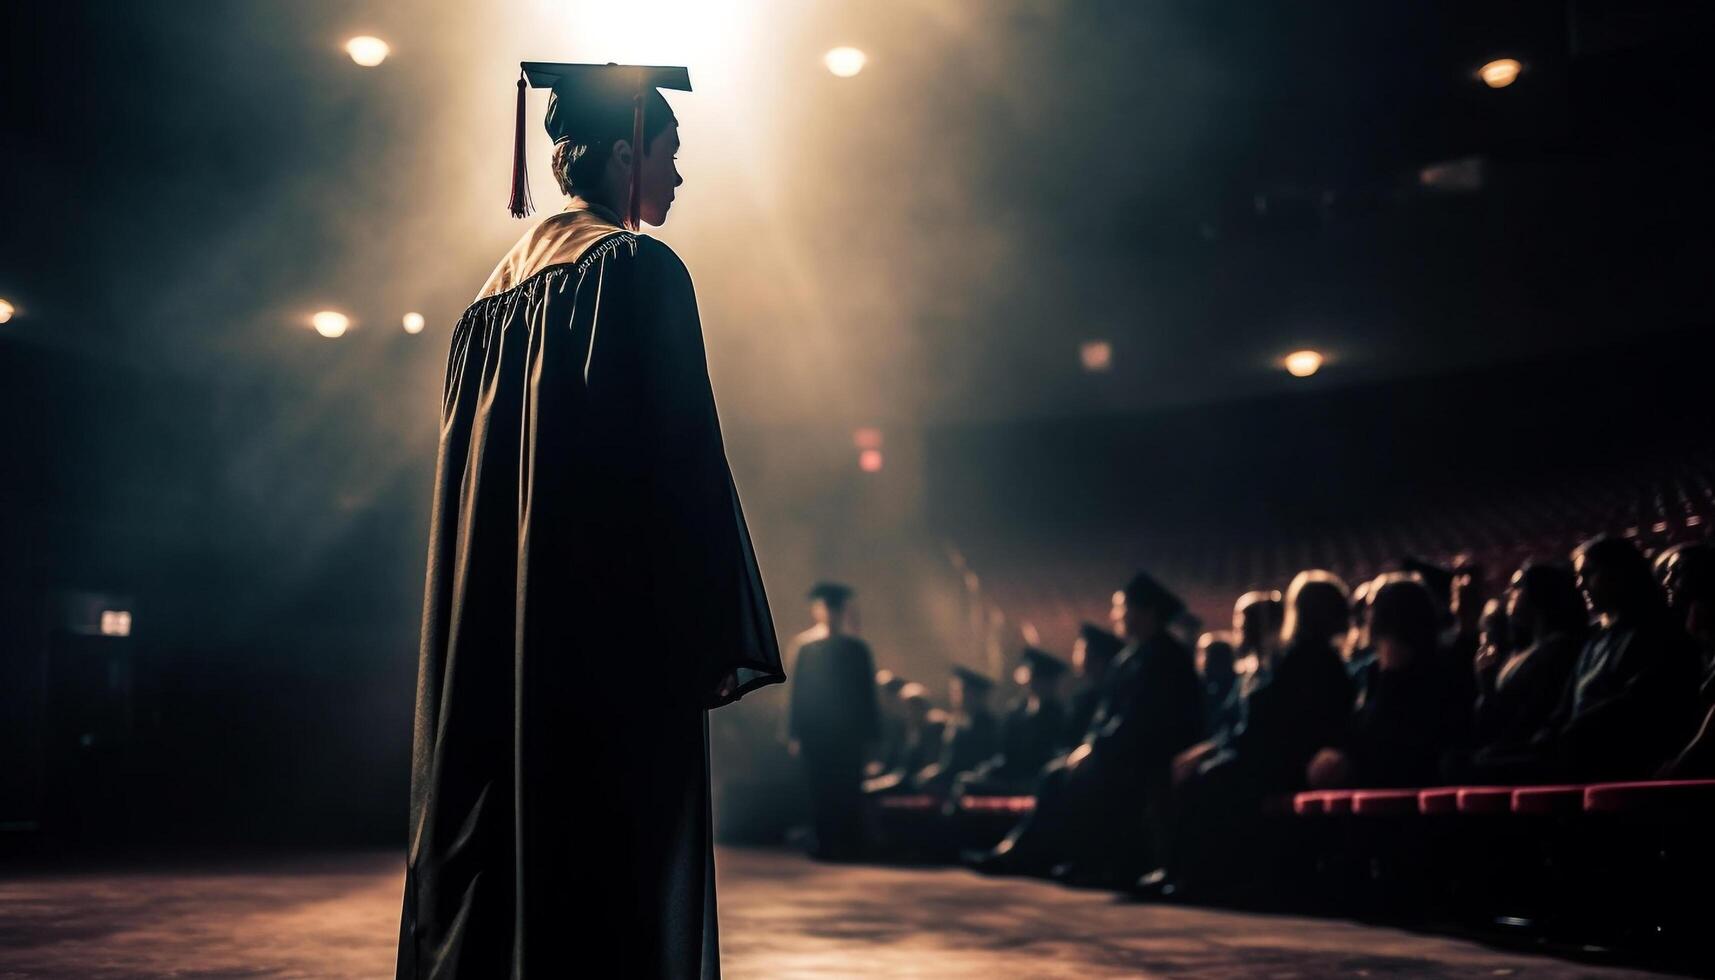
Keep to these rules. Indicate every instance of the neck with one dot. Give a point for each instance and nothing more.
(602, 204)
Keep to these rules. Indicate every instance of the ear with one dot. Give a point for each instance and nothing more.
(621, 154)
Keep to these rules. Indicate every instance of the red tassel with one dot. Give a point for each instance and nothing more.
(637, 161)
(520, 205)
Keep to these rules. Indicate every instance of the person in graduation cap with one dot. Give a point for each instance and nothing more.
(582, 488)
(1032, 732)
(1092, 654)
(833, 722)
(971, 734)
(1100, 816)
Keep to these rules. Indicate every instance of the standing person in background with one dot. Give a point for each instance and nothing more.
(832, 722)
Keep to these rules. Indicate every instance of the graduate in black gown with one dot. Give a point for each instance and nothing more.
(834, 723)
(1032, 732)
(1092, 654)
(559, 786)
(970, 736)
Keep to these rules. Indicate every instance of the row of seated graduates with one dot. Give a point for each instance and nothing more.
(1598, 669)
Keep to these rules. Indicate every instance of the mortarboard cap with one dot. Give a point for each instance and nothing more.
(1043, 664)
(589, 103)
(974, 682)
(1099, 643)
(1143, 590)
(832, 593)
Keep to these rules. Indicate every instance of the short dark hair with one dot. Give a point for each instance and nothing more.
(579, 164)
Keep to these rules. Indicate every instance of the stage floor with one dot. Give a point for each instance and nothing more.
(782, 917)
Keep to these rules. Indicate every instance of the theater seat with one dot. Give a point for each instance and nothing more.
(912, 801)
(997, 804)
(1676, 797)
(1439, 801)
(1384, 802)
(1486, 799)
(1320, 802)
(1546, 801)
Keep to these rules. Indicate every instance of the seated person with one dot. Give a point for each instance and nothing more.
(1100, 811)
(1303, 704)
(887, 688)
(1358, 652)
(1256, 624)
(1031, 733)
(1410, 716)
(1688, 575)
(1518, 694)
(1092, 655)
(919, 743)
(970, 735)
(1220, 685)
(1632, 704)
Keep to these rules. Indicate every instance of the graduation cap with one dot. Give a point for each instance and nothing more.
(589, 103)
(1099, 643)
(1143, 590)
(974, 682)
(832, 593)
(1043, 664)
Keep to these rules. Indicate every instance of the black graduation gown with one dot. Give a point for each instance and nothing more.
(560, 789)
(833, 714)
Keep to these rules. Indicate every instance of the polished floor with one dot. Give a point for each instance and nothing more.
(782, 917)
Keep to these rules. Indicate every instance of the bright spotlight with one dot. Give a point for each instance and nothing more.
(115, 622)
(845, 62)
(6, 311)
(870, 461)
(330, 324)
(1303, 363)
(413, 323)
(1499, 73)
(367, 51)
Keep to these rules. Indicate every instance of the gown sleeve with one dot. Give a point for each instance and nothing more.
(647, 361)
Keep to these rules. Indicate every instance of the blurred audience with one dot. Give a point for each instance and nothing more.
(1220, 685)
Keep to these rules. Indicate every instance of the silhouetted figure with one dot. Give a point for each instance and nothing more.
(1092, 655)
(1256, 623)
(971, 734)
(1410, 717)
(1546, 623)
(1633, 699)
(1031, 733)
(1688, 575)
(1221, 702)
(1303, 704)
(887, 688)
(832, 718)
(919, 744)
(1100, 813)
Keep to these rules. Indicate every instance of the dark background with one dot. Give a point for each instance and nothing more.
(1511, 287)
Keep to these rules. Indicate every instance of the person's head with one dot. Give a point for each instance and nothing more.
(1467, 592)
(1094, 650)
(1041, 672)
(1616, 580)
(596, 165)
(968, 690)
(1143, 608)
(828, 604)
(888, 685)
(915, 699)
(1405, 619)
(1542, 600)
(1215, 659)
(1357, 637)
(1688, 576)
(1256, 620)
(1318, 609)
